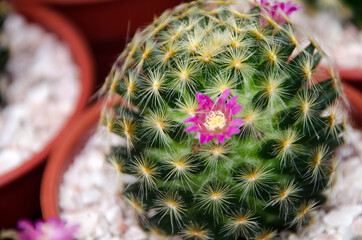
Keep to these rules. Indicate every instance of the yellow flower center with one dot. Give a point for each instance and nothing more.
(215, 120)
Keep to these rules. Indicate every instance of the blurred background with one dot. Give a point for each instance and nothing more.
(86, 36)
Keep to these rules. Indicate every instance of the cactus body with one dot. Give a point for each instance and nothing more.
(230, 133)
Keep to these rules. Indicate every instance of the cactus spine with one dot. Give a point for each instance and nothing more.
(230, 133)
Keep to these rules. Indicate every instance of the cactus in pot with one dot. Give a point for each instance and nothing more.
(229, 131)
(4, 52)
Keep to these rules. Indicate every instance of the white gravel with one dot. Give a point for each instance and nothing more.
(89, 196)
(341, 217)
(341, 41)
(43, 92)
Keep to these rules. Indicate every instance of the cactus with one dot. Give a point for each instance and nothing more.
(4, 51)
(230, 127)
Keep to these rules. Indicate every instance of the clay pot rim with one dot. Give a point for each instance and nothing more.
(55, 23)
(354, 96)
(351, 74)
(53, 173)
(68, 2)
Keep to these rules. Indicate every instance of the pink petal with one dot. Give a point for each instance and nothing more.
(192, 119)
(232, 102)
(204, 100)
(287, 8)
(262, 2)
(57, 229)
(221, 138)
(202, 139)
(27, 230)
(234, 131)
(25, 224)
(225, 94)
(199, 96)
(231, 131)
(237, 122)
(236, 109)
(192, 128)
(209, 138)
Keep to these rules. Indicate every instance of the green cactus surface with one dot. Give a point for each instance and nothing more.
(199, 166)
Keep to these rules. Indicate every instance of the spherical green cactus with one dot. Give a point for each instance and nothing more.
(230, 131)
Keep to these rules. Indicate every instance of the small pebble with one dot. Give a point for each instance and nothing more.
(340, 218)
(43, 92)
(341, 41)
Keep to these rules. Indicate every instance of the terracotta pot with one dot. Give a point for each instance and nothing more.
(20, 188)
(81, 131)
(104, 20)
(351, 75)
(62, 2)
(355, 99)
(107, 24)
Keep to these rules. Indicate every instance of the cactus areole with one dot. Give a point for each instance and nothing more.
(230, 131)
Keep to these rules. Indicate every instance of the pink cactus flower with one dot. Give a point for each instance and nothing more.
(262, 2)
(279, 9)
(53, 229)
(215, 120)
(283, 8)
